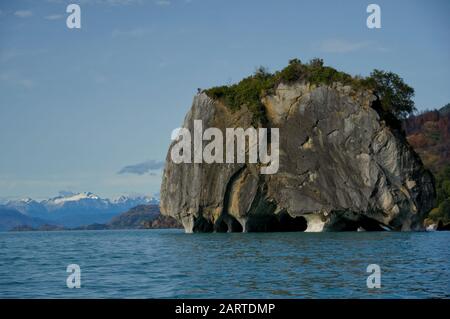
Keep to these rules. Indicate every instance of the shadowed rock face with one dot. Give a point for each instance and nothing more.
(341, 168)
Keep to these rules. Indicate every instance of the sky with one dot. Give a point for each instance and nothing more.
(92, 109)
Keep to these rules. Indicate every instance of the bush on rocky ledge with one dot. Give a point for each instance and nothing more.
(394, 95)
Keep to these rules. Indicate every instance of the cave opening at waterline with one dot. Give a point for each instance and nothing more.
(362, 223)
(202, 225)
(287, 223)
(282, 222)
(228, 224)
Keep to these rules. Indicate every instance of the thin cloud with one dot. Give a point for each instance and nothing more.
(132, 33)
(383, 49)
(101, 2)
(7, 55)
(142, 168)
(121, 2)
(100, 78)
(342, 46)
(23, 13)
(15, 79)
(10, 54)
(124, 2)
(163, 3)
(54, 17)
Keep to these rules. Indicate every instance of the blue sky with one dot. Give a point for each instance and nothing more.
(79, 106)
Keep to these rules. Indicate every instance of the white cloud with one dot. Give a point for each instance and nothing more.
(342, 46)
(23, 13)
(54, 17)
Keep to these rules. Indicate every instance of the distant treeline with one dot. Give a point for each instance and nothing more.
(429, 134)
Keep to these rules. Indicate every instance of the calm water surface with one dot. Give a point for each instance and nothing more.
(171, 264)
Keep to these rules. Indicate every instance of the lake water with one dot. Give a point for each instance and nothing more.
(171, 264)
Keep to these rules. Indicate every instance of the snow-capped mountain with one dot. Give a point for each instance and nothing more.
(85, 200)
(134, 200)
(61, 200)
(76, 209)
(26, 206)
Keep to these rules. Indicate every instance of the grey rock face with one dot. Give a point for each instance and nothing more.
(341, 168)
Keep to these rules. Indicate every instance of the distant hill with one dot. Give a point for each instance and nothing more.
(139, 217)
(135, 217)
(445, 110)
(10, 218)
(429, 135)
(143, 217)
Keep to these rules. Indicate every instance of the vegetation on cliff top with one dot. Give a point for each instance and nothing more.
(394, 95)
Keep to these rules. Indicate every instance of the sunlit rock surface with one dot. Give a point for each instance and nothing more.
(341, 169)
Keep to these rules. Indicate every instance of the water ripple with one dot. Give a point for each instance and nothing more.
(171, 264)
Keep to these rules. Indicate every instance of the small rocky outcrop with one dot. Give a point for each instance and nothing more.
(162, 222)
(135, 217)
(143, 217)
(341, 168)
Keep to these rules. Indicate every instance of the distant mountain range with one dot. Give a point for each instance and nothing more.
(68, 209)
(139, 217)
(11, 218)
